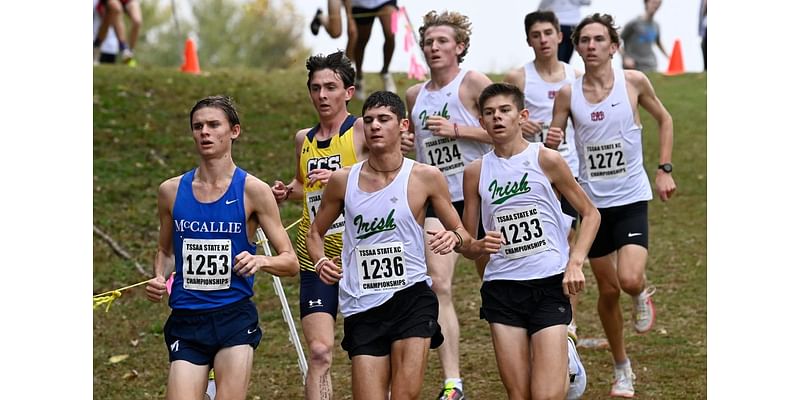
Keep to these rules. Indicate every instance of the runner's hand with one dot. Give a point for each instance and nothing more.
(440, 126)
(406, 142)
(554, 137)
(491, 243)
(442, 241)
(319, 175)
(329, 271)
(280, 191)
(573, 281)
(156, 288)
(532, 130)
(248, 264)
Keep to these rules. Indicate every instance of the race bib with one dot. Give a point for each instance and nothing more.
(207, 264)
(522, 232)
(605, 161)
(443, 153)
(313, 200)
(381, 267)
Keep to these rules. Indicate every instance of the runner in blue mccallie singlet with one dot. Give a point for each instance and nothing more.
(209, 217)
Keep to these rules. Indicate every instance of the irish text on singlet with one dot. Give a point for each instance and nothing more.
(447, 154)
(517, 199)
(539, 98)
(205, 239)
(609, 145)
(334, 153)
(384, 249)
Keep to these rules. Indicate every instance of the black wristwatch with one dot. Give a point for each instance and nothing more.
(666, 167)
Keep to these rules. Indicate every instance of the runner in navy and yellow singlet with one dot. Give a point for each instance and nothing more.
(337, 141)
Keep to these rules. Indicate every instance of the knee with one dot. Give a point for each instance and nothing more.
(406, 392)
(321, 354)
(552, 395)
(114, 7)
(518, 393)
(609, 292)
(631, 283)
(442, 286)
(549, 392)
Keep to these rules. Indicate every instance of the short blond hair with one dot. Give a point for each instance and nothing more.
(459, 22)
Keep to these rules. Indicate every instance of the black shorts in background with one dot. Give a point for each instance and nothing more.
(317, 296)
(459, 206)
(620, 226)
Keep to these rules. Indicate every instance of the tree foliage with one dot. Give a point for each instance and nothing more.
(228, 33)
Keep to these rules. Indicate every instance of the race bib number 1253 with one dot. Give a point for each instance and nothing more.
(206, 264)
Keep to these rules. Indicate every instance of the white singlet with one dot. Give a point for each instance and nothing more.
(517, 199)
(449, 155)
(609, 145)
(539, 98)
(384, 247)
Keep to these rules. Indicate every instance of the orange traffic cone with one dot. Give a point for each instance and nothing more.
(675, 60)
(190, 62)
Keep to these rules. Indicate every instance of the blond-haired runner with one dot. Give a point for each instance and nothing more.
(446, 134)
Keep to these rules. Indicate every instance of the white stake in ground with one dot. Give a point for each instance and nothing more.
(287, 313)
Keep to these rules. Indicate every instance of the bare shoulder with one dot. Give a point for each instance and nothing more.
(565, 90)
(359, 125)
(340, 176)
(549, 158)
(476, 81)
(474, 168)
(255, 187)
(553, 164)
(516, 77)
(170, 186)
(413, 91)
(300, 136)
(425, 172)
(636, 78)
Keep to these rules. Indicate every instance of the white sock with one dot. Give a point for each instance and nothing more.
(623, 365)
(456, 382)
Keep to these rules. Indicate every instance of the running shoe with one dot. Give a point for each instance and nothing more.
(644, 311)
(388, 83)
(623, 382)
(127, 55)
(361, 93)
(316, 22)
(577, 374)
(451, 392)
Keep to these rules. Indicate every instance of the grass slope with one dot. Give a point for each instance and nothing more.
(141, 137)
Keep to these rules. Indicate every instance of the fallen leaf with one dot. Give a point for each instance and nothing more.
(117, 358)
(132, 374)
